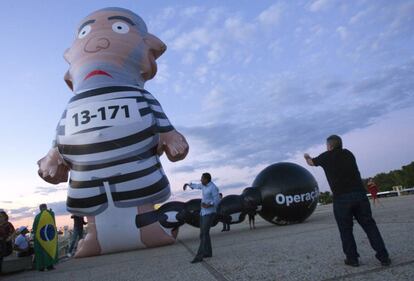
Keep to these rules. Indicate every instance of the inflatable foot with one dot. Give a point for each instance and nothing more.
(154, 235)
(89, 246)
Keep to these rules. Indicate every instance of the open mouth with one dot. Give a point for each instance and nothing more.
(97, 72)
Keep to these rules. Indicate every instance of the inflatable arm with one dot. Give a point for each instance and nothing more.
(172, 142)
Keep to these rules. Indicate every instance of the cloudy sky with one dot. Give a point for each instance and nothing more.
(249, 83)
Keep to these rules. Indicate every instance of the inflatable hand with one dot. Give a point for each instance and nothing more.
(174, 145)
(52, 167)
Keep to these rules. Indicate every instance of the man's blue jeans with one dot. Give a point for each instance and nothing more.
(205, 242)
(356, 204)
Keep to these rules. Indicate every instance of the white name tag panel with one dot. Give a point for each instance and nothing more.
(99, 114)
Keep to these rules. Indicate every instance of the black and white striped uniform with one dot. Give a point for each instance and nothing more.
(122, 155)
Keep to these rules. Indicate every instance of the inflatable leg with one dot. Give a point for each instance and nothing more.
(89, 246)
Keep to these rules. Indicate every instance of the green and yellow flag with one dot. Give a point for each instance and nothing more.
(46, 239)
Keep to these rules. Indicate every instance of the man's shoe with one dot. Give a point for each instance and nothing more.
(207, 256)
(354, 263)
(386, 262)
(196, 260)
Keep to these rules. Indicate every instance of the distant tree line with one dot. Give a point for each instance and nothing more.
(403, 177)
(384, 181)
(325, 197)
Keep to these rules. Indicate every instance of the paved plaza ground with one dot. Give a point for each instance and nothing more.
(307, 251)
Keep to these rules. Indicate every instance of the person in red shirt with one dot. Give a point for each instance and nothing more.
(373, 189)
(6, 236)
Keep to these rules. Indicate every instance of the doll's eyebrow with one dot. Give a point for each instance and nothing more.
(122, 18)
(85, 24)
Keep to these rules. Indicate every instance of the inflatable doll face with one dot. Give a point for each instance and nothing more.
(110, 48)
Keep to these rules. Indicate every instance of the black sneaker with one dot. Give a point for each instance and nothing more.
(196, 260)
(386, 262)
(354, 263)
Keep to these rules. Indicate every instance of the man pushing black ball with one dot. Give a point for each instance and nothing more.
(349, 200)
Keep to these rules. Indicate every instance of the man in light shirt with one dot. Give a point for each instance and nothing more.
(209, 204)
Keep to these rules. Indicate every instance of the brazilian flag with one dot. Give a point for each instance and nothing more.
(46, 239)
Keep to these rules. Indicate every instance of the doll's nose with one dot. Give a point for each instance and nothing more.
(96, 44)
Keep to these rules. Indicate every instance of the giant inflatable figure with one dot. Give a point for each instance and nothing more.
(112, 133)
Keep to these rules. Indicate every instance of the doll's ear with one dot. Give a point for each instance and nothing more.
(68, 80)
(155, 48)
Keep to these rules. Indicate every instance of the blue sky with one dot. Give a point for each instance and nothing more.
(249, 83)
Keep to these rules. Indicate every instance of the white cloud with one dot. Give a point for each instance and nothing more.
(271, 15)
(167, 13)
(192, 40)
(275, 47)
(319, 5)
(214, 15)
(215, 53)
(188, 58)
(239, 29)
(214, 100)
(192, 11)
(160, 22)
(162, 73)
(403, 18)
(202, 72)
(177, 88)
(357, 17)
(168, 34)
(248, 59)
(263, 124)
(343, 32)
(317, 30)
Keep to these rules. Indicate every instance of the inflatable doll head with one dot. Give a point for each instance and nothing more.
(112, 47)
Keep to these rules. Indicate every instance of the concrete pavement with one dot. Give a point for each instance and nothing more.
(307, 251)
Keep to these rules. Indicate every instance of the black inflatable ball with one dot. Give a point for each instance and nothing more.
(230, 209)
(289, 193)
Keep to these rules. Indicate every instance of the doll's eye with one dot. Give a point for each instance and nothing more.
(84, 31)
(120, 27)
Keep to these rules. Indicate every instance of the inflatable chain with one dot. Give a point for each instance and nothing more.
(283, 193)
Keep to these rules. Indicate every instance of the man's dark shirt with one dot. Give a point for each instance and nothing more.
(341, 171)
(78, 222)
